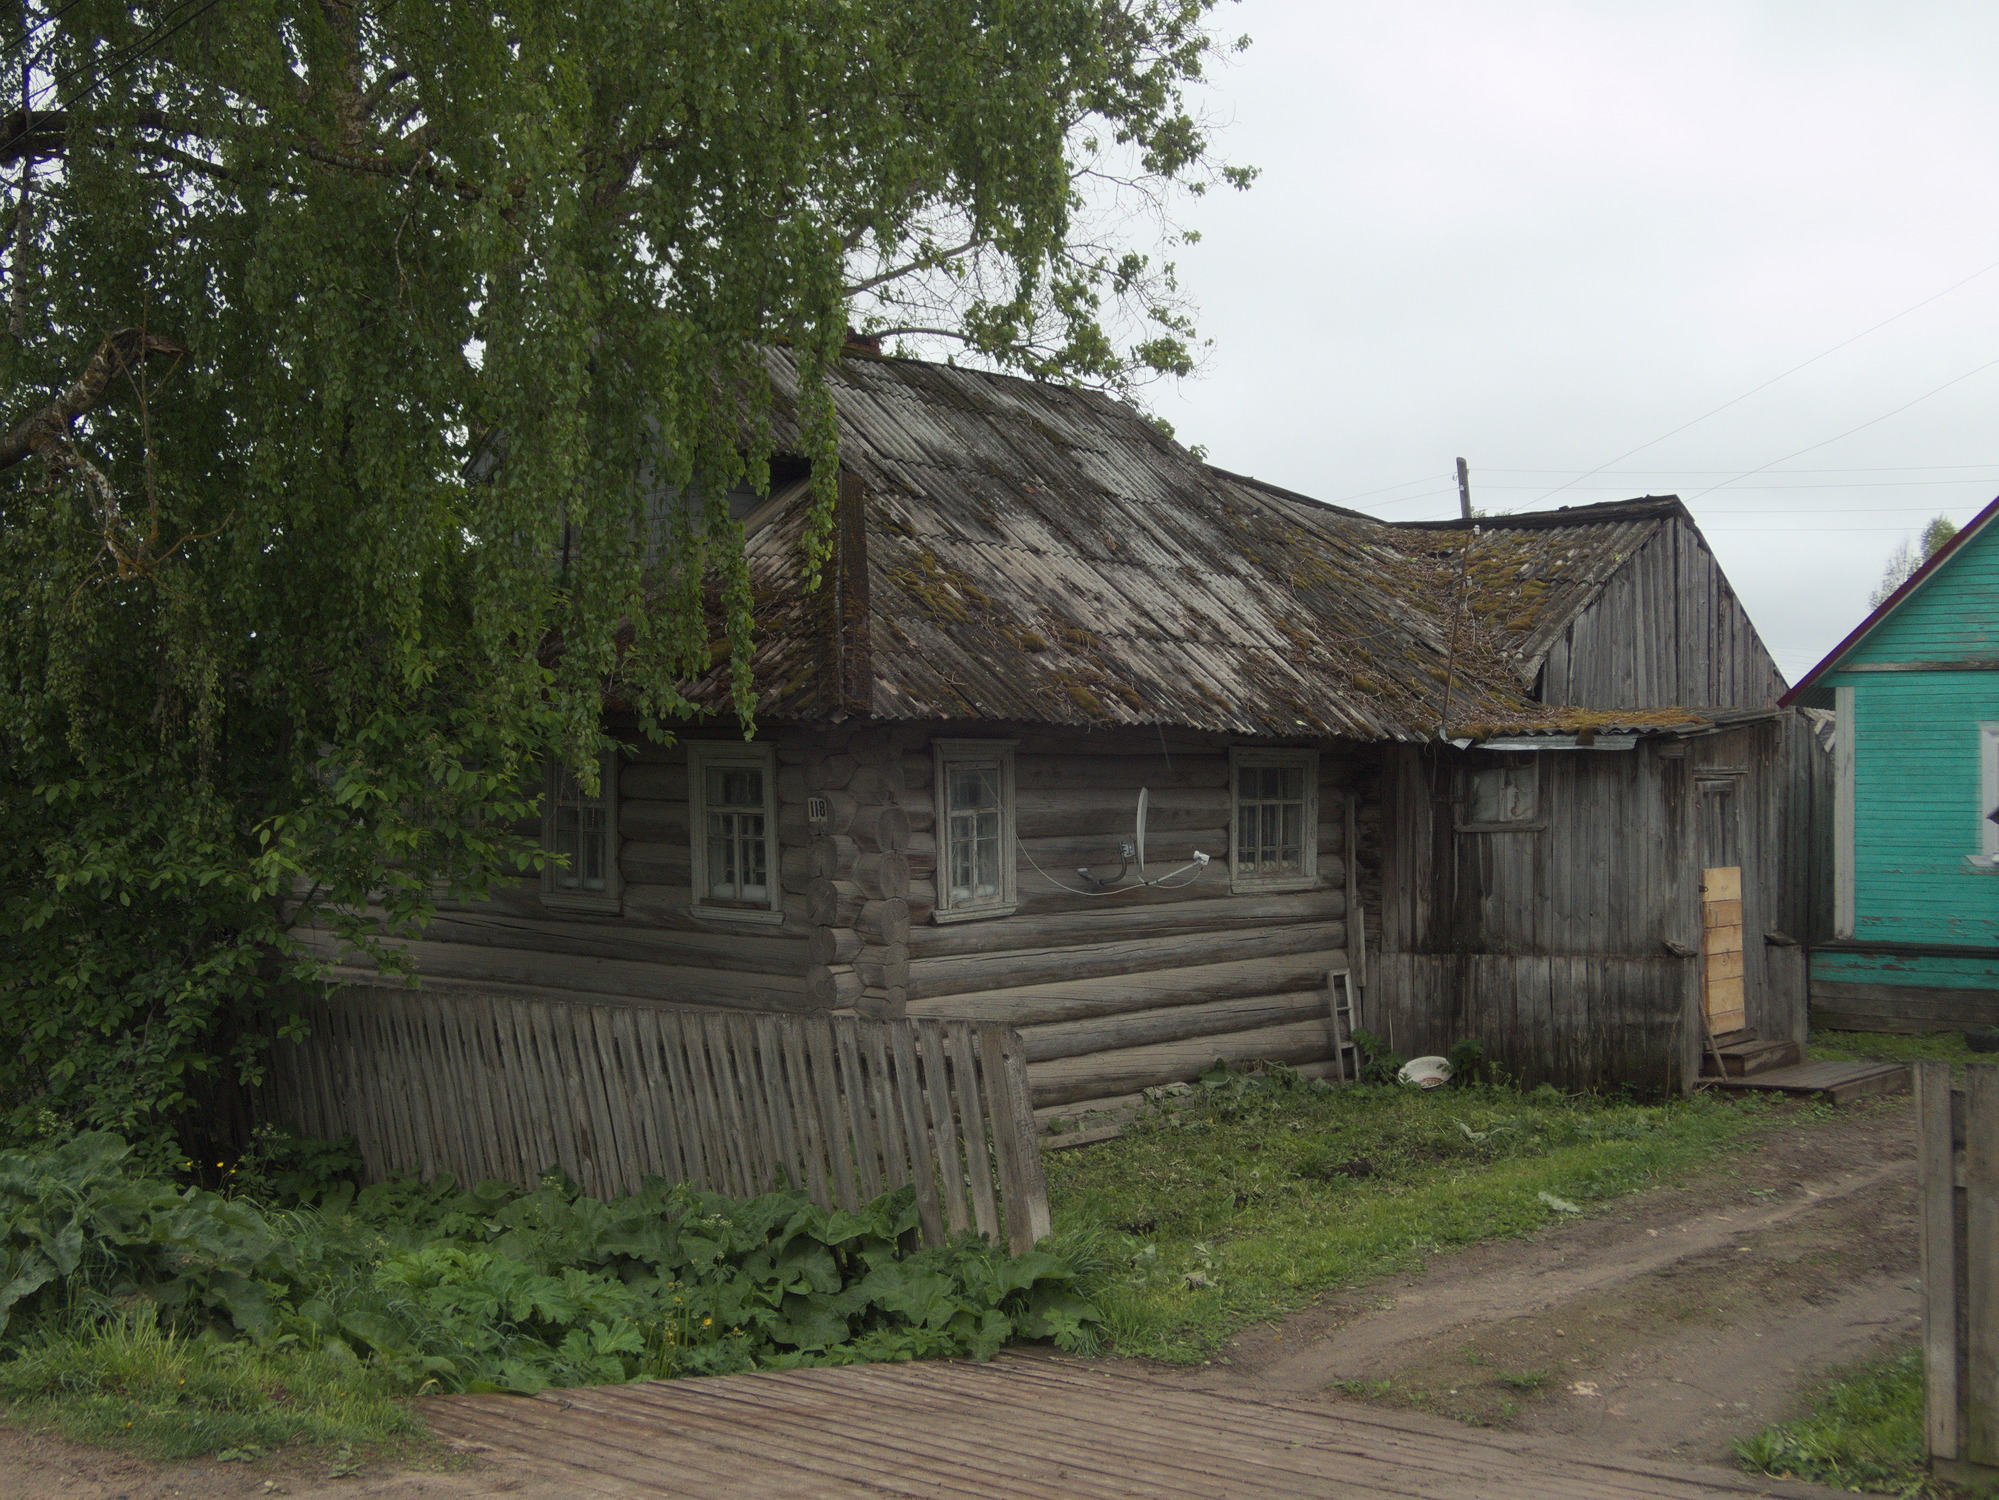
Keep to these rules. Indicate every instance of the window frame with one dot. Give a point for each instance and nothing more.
(1243, 757)
(762, 757)
(1535, 822)
(1988, 795)
(944, 755)
(610, 901)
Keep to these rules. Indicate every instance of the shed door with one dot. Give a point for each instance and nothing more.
(1721, 949)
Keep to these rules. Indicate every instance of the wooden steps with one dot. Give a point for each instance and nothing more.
(1834, 1082)
(1747, 1054)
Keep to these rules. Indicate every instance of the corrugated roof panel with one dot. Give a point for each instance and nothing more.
(1041, 554)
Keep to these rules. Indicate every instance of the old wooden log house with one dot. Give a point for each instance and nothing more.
(1089, 737)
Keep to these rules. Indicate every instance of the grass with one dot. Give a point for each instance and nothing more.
(126, 1382)
(1252, 1202)
(1864, 1431)
(1893, 1046)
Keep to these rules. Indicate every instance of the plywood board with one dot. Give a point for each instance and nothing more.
(1721, 946)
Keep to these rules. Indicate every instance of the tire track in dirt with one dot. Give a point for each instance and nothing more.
(1667, 1325)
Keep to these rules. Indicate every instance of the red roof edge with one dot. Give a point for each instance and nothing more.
(1887, 606)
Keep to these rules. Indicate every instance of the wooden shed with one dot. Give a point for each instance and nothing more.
(1913, 943)
(1479, 769)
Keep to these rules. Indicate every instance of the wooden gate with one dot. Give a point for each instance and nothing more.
(1957, 1167)
(1721, 950)
(500, 1087)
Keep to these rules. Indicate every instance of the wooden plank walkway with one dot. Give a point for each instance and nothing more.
(1025, 1428)
(1835, 1082)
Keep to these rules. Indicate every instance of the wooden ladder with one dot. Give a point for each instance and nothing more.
(1340, 1024)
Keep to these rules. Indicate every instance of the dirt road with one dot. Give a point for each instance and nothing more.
(1671, 1323)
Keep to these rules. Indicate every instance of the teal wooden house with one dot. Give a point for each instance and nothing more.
(1914, 815)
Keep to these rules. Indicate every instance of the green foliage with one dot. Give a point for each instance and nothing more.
(426, 1286)
(286, 1169)
(1864, 1431)
(1892, 1046)
(121, 1379)
(430, 338)
(1467, 1060)
(1244, 1203)
(1378, 1064)
(1905, 559)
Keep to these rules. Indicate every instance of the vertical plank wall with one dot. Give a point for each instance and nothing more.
(1957, 1164)
(1572, 949)
(1552, 945)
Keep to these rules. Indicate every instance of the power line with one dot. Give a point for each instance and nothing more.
(1716, 411)
(1870, 422)
(1875, 469)
(1876, 484)
(1426, 479)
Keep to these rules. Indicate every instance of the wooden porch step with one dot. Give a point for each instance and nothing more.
(1743, 1058)
(1835, 1082)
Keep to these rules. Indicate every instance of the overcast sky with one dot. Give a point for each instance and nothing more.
(1540, 234)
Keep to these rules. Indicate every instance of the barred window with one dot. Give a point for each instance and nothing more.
(1275, 818)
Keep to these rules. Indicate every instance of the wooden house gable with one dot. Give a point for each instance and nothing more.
(1666, 629)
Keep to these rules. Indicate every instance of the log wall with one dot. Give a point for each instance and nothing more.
(1113, 993)
(1116, 993)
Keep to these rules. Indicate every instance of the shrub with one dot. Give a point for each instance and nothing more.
(429, 1286)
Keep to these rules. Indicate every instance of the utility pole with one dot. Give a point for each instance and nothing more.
(1464, 490)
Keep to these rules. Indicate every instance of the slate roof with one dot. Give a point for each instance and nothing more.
(1013, 551)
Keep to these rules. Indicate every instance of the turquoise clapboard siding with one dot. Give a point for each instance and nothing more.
(1916, 810)
(1917, 790)
(1953, 616)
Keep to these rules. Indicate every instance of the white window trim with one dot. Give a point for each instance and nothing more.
(1308, 844)
(1844, 735)
(611, 900)
(1986, 860)
(945, 753)
(700, 756)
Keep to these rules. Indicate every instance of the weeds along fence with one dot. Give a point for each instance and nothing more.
(1957, 1171)
(501, 1087)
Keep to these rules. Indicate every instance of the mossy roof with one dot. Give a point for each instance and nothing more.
(1030, 553)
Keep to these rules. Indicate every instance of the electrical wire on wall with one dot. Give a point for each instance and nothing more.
(1128, 853)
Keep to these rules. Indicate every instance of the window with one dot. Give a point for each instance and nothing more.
(733, 825)
(1275, 819)
(975, 854)
(583, 830)
(1503, 796)
(1987, 857)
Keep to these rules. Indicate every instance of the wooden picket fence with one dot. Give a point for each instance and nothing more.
(501, 1087)
(1957, 1172)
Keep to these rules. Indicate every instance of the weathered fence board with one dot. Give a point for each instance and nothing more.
(1957, 1165)
(843, 1108)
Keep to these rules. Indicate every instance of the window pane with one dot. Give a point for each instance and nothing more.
(1270, 820)
(579, 830)
(972, 829)
(738, 837)
(1502, 794)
